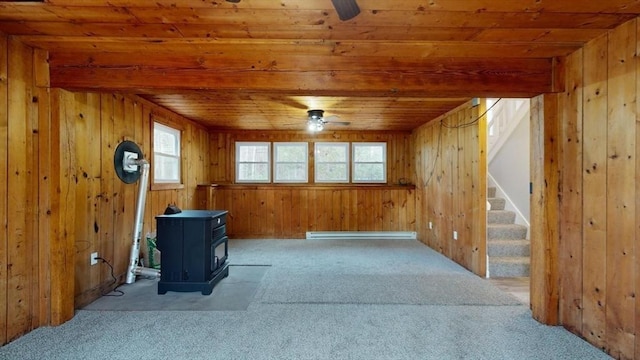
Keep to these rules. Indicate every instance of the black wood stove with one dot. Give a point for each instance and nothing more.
(193, 250)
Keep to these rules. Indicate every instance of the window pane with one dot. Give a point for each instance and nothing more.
(291, 153)
(332, 162)
(370, 162)
(253, 172)
(291, 163)
(368, 153)
(331, 153)
(166, 169)
(368, 172)
(166, 154)
(331, 172)
(291, 172)
(253, 161)
(165, 143)
(254, 153)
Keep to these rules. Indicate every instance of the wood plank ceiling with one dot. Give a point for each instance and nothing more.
(260, 64)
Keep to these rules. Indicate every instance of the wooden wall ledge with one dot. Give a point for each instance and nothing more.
(310, 186)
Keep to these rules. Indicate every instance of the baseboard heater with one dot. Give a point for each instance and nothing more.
(355, 235)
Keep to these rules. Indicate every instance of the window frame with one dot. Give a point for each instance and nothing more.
(347, 161)
(238, 145)
(172, 128)
(275, 162)
(354, 163)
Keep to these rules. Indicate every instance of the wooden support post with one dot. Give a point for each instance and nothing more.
(544, 209)
(4, 125)
(63, 212)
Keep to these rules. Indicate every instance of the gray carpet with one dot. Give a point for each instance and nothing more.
(322, 300)
(234, 293)
(438, 289)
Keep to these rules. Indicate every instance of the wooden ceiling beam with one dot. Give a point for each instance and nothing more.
(338, 32)
(444, 82)
(258, 71)
(327, 32)
(622, 6)
(228, 47)
(258, 61)
(294, 18)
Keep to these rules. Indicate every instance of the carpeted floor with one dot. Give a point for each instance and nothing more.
(235, 293)
(318, 299)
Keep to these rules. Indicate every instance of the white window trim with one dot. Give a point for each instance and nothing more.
(345, 145)
(276, 145)
(384, 162)
(238, 162)
(177, 133)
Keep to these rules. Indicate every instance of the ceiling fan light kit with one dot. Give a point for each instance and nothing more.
(315, 121)
(315, 114)
(315, 125)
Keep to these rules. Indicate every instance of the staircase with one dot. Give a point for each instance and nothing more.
(508, 249)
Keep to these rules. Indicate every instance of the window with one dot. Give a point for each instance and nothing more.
(166, 155)
(253, 162)
(291, 162)
(369, 162)
(332, 162)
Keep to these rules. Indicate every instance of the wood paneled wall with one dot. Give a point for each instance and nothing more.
(288, 212)
(451, 170)
(62, 198)
(92, 125)
(26, 299)
(589, 238)
(283, 211)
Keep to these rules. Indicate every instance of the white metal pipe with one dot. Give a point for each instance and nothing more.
(148, 272)
(137, 230)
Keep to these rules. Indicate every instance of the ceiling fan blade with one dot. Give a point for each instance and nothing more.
(291, 102)
(334, 120)
(346, 9)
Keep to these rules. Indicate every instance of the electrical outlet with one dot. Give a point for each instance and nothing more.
(94, 258)
(430, 225)
(455, 235)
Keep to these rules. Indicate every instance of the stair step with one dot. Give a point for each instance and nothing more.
(491, 192)
(508, 266)
(517, 248)
(501, 217)
(506, 231)
(496, 203)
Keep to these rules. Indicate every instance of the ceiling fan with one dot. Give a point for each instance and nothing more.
(316, 120)
(346, 9)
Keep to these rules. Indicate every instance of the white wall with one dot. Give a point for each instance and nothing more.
(510, 167)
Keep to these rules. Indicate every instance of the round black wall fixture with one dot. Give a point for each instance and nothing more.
(128, 177)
